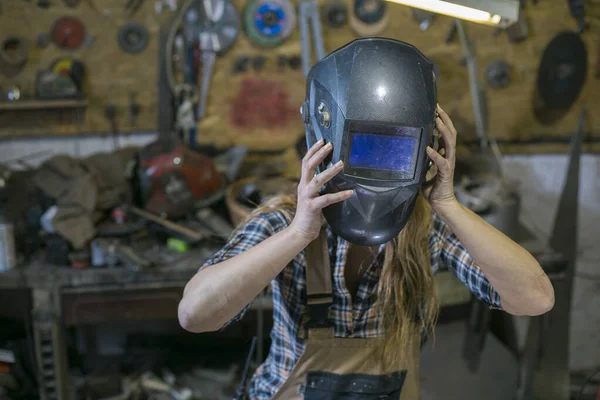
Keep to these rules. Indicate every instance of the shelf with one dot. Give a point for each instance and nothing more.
(19, 105)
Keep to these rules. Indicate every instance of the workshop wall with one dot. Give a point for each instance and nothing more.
(111, 75)
(260, 109)
(511, 116)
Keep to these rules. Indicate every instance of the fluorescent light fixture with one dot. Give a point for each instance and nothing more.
(501, 13)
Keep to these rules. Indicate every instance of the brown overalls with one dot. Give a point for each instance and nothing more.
(342, 368)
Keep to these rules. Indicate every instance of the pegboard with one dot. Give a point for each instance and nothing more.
(112, 75)
(511, 116)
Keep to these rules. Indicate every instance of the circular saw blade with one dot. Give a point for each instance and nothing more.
(68, 32)
(369, 17)
(269, 23)
(214, 23)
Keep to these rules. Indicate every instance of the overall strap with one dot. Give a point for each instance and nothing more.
(318, 282)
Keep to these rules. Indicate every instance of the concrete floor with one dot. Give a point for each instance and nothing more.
(444, 373)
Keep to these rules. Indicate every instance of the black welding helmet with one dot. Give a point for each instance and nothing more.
(375, 100)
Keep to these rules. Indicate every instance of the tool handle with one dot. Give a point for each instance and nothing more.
(304, 37)
(208, 62)
(188, 233)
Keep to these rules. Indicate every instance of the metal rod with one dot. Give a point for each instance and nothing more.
(478, 97)
(309, 14)
(189, 233)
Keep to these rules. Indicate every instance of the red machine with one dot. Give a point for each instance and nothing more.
(174, 180)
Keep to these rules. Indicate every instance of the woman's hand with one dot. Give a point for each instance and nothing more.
(442, 192)
(309, 216)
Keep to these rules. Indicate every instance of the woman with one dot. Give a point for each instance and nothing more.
(348, 318)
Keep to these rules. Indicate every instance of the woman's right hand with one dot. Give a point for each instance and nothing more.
(309, 216)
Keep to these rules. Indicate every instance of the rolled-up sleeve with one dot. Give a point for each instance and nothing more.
(452, 255)
(251, 234)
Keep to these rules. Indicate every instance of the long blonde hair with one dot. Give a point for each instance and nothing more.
(407, 297)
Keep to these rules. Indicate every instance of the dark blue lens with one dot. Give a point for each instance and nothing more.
(395, 153)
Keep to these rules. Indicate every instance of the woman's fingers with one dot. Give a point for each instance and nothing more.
(310, 166)
(313, 149)
(325, 200)
(446, 119)
(448, 138)
(320, 179)
(440, 162)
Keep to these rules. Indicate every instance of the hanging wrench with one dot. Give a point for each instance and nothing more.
(219, 25)
(309, 13)
(208, 59)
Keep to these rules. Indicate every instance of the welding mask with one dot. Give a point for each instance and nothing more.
(375, 100)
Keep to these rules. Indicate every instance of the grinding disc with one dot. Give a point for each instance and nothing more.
(369, 17)
(561, 75)
(269, 23)
(214, 23)
(132, 38)
(335, 13)
(13, 55)
(68, 32)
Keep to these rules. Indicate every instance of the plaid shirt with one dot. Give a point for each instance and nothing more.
(357, 319)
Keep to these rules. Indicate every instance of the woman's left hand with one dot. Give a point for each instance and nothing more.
(442, 191)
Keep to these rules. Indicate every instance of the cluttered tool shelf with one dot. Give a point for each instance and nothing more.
(41, 104)
(37, 273)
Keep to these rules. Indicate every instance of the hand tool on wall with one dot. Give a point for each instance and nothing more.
(134, 109)
(258, 63)
(577, 10)
(309, 15)
(110, 113)
(477, 94)
(214, 25)
(241, 64)
(269, 23)
(518, 31)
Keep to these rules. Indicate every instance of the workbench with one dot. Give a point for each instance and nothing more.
(62, 297)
